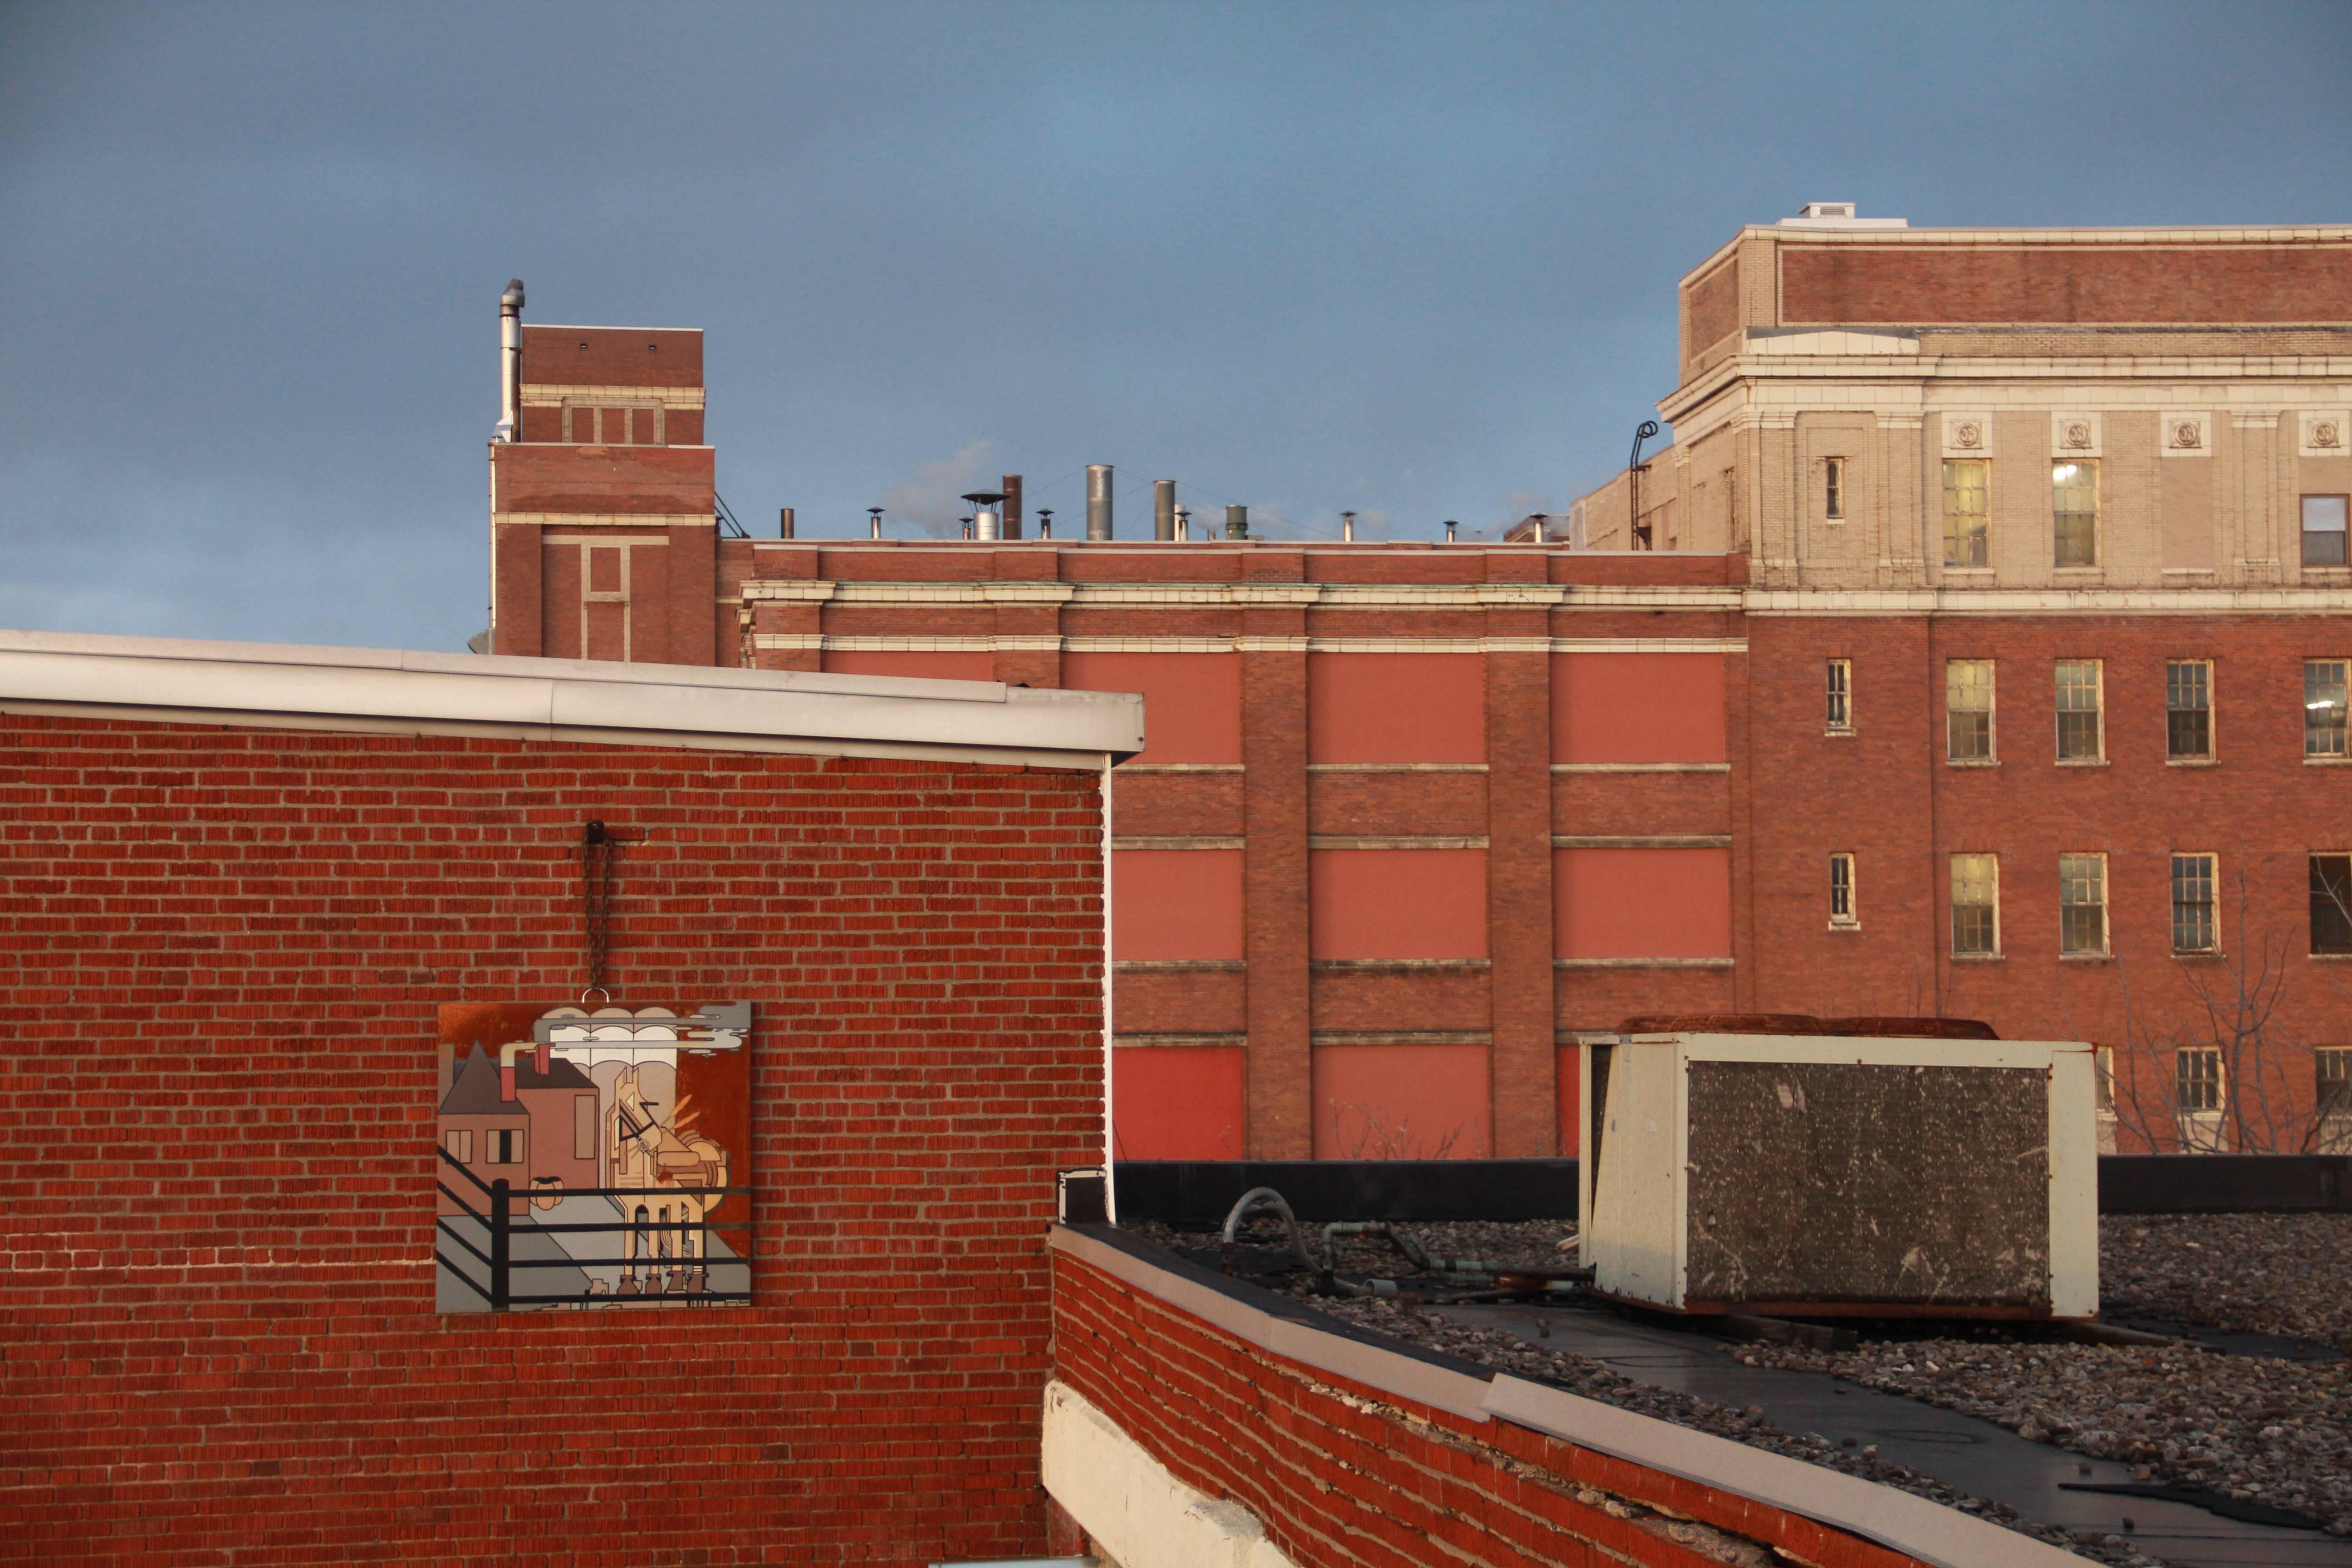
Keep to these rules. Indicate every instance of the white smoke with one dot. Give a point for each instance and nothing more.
(931, 497)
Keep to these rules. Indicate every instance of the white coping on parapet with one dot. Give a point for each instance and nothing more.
(390, 690)
(1926, 1530)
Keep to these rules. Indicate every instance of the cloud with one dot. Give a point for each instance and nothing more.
(931, 497)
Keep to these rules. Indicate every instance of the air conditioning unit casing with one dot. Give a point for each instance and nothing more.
(1834, 1175)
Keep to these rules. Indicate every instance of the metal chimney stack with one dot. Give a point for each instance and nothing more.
(1163, 508)
(986, 520)
(1098, 523)
(1348, 527)
(1236, 522)
(1011, 505)
(511, 364)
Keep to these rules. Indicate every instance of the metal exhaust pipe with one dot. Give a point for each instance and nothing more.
(1098, 492)
(1236, 522)
(1163, 508)
(509, 363)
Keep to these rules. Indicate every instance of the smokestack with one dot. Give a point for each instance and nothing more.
(1098, 522)
(986, 521)
(1236, 522)
(784, 523)
(511, 364)
(1163, 508)
(1011, 505)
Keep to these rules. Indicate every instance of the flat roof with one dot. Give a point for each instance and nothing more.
(404, 691)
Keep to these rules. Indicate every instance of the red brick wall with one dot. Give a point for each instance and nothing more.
(1343, 1474)
(1905, 284)
(224, 951)
(611, 356)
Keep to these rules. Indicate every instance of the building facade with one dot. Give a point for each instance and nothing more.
(1977, 648)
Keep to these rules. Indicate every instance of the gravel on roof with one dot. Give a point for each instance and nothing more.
(2286, 1274)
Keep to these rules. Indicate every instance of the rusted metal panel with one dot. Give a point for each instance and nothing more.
(1835, 1182)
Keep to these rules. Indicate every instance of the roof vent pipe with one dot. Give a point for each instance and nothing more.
(1236, 522)
(1012, 508)
(1163, 508)
(1044, 522)
(874, 517)
(511, 364)
(986, 520)
(1348, 527)
(1183, 523)
(1098, 523)
(1450, 526)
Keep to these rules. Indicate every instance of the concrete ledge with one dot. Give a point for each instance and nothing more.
(1924, 1529)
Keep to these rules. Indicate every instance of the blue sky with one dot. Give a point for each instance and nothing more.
(1414, 260)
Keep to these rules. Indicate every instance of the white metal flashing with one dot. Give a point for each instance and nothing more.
(386, 690)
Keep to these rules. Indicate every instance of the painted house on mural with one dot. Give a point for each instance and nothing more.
(1981, 641)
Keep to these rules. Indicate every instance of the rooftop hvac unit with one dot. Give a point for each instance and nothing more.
(1818, 1176)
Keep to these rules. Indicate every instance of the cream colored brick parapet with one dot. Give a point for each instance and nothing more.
(1208, 595)
(551, 394)
(2257, 601)
(608, 519)
(831, 642)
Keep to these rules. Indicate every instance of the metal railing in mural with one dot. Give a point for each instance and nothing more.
(660, 1261)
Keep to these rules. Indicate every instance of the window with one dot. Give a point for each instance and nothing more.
(2331, 904)
(2074, 511)
(1967, 491)
(2103, 1069)
(1834, 489)
(1968, 709)
(1975, 905)
(1838, 684)
(2332, 1067)
(2194, 927)
(504, 1146)
(1842, 915)
(2079, 727)
(2083, 905)
(2322, 531)
(459, 1142)
(2188, 708)
(2322, 708)
(2197, 1081)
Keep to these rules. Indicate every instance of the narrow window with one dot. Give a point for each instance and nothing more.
(2331, 904)
(2074, 511)
(2080, 738)
(1834, 489)
(2194, 926)
(2081, 905)
(1841, 913)
(1967, 489)
(1968, 709)
(1838, 685)
(2332, 1067)
(2188, 708)
(1975, 905)
(2322, 531)
(2322, 708)
(2197, 1081)
(460, 1144)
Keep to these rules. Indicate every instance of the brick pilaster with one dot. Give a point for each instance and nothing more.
(1519, 867)
(1279, 1084)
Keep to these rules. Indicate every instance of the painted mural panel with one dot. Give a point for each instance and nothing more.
(593, 1160)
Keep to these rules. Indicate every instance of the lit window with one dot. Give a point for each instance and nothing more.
(2074, 511)
(2331, 904)
(2194, 926)
(2079, 738)
(2322, 708)
(1976, 904)
(1838, 682)
(2083, 904)
(1841, 891)
(1967, 490)
(2322, 531)
(2332, 1067)
(1968, 709)
(2188, 708)
(2197, 1081)
(1834, 489)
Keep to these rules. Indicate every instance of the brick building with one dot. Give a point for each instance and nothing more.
(243, 878)
(1980, 650)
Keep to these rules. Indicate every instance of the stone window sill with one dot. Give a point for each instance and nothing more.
(1835, 733)
(2330, 957)
(2192, 761)
(1972, 761)
(2082, 762)
(2327, 761)
(2086, 958)
(1845, 925)
(1980, 958)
